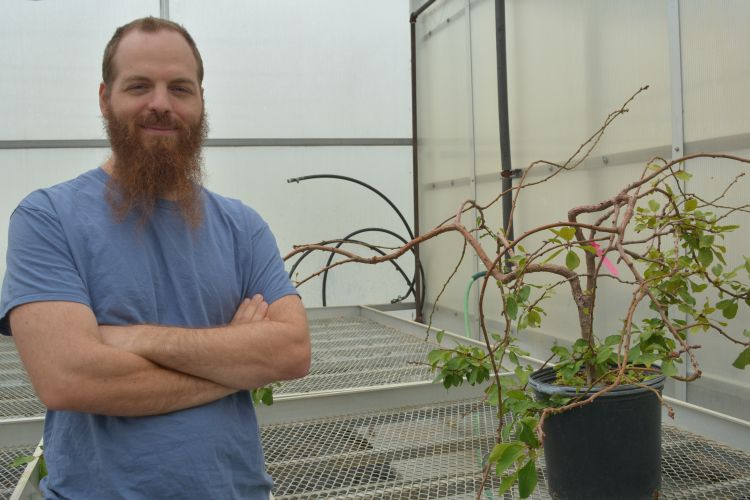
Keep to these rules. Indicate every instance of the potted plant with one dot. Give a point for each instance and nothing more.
(595, 407)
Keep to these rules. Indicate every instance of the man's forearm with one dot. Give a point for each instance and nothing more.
(147, 389)
(252, 351)
(74, 370)
(240, 356)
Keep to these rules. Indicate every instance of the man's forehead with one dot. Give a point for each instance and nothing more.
(165, 48)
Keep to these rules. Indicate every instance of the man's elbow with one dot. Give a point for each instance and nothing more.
(58, 397)
(299, 360)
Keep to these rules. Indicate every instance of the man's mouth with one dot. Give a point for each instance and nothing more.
(156, 129)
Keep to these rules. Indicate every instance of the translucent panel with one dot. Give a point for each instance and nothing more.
(303, 69)
(324, 209)
(715, 66)
(24, 171)
(51, 56)
(444, 94)
(572, 63)
(484, 86)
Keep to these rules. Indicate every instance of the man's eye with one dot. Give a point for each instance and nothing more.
(181, 90)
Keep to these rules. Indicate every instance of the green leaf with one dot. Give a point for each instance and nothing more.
(683, 176)
(653, 205)
(705, 256)
(566, 233)
(572, 260)
(523, 376)
(439, 336)
(435, 355)
(504, 454)
(612, 340)
(21, 461)
(555, 254)
(603, 355)
(534, 319)
(267, 397)
(742, 360)
(668, 368)
(527, 479)
(730, 311)
(262, 395)
(523, 294)
(506, 483)
(690, 205)
(511, 307)
(527, 432)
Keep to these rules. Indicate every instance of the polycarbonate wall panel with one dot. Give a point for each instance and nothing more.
(51, 56)
(446, 153)
(325, 209)
(25, 170)
(715, 67)
(286, 68)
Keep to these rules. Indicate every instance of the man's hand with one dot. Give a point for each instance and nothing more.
(255, 309)
(121, 337)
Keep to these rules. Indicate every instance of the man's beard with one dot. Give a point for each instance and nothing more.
(147, 168)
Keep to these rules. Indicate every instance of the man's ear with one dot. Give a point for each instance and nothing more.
(103, 98)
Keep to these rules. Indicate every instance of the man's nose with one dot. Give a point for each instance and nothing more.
(160, 100)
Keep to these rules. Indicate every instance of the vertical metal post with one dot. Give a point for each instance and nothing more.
(502, 107)
(418, 298)
(164, 9)
(678, 140)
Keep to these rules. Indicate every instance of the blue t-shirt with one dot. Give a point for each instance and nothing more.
(63, 245)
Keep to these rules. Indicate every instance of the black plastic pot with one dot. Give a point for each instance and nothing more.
(609, 449)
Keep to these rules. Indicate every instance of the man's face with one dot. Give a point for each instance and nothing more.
(155, 120)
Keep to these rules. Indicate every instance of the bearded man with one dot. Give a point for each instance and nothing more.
(144, 306)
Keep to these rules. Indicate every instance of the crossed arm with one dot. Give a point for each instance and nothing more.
(76, 364)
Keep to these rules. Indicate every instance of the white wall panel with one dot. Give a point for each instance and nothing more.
(716, 67)
(23, 171)
(322, 209)
(51, 57)
(333, 68)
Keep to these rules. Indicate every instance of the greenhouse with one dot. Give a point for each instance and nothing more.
(515, 227)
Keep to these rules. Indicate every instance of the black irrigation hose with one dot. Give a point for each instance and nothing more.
(394, 207)
(348, 239)
(363, 184)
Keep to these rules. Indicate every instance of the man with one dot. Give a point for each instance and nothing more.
(144, 306)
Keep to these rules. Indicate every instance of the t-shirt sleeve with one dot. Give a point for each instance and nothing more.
(267, 274)
(40, 266)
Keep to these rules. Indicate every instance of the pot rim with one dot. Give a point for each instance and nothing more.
(540, 382)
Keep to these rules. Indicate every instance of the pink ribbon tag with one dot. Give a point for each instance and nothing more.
(607, 263)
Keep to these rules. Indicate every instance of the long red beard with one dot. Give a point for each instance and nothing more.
(147, 168)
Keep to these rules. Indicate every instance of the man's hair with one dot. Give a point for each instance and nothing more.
(146, 25)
